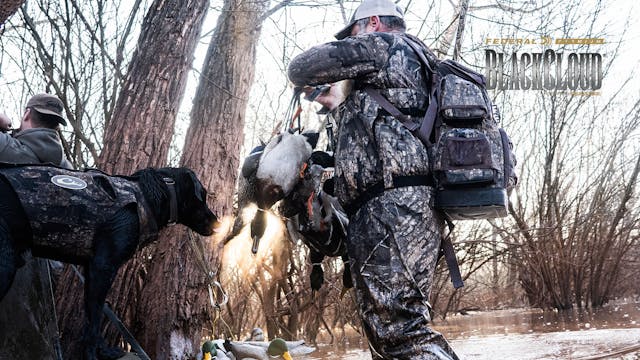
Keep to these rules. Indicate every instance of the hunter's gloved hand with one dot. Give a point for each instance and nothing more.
(322, 158)
(329, 96)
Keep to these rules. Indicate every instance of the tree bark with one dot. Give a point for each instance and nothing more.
(138, 136)
(141, 129)
(8, 8)
(174, 303)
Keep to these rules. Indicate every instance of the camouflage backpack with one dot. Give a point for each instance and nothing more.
(471, 156)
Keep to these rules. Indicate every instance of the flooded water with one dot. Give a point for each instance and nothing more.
(523, 321)
(612, 332)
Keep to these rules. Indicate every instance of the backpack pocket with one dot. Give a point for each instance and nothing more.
(462, 102)
(463, 157)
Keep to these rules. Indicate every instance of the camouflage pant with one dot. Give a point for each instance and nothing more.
(393, 247)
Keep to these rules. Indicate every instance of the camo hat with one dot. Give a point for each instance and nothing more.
(48, 104)
(370, 8)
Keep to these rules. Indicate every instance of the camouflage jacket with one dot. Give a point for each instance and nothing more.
(372, 146)
(67, 208)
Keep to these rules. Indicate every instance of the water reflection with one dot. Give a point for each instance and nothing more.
(579, 333)
(522, 321)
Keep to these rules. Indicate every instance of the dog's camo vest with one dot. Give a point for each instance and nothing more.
(67, 208)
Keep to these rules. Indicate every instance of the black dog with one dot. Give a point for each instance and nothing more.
(122, 215)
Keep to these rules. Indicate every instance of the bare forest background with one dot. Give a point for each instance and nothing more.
(198, 83)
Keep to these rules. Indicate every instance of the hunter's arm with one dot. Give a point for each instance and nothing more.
(352, 58)
(5, 140)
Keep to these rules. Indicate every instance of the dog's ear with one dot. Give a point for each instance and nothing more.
(197, 186)
(312, 138)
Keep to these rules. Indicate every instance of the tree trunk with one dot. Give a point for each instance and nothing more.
(138, 136)
(174, 302)
(8, 8)
(143, 120)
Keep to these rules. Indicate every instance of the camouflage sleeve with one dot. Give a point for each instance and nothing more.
(356, 57)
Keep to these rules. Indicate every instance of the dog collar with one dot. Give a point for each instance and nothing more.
(173, 200)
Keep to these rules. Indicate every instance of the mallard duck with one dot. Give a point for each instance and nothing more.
(265, 351)
(269, 173)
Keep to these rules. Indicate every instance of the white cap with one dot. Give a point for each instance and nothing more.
(370, 8)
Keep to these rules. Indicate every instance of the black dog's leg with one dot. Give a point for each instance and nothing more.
(8, 257)
(114, 244)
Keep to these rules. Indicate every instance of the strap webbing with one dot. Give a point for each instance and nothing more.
(446, 250)
(378, 188)
(382, 101)
(421, 129)
(446, 246)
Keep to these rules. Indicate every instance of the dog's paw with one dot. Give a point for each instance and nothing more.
(109, 353)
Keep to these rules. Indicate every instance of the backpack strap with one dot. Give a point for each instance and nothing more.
(382, 101)
(426, 125)
(421, 129)
(446, 250)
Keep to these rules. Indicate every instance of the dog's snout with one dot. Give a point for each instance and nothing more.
(216, 226)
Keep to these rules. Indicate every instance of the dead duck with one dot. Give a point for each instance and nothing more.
(268, 174)
(316, 215)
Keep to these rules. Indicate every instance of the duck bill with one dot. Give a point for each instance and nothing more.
(207, 356)
(286, 356)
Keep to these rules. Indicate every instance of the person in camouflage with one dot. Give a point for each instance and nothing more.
(382, 178)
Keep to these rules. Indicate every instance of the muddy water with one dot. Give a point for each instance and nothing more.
(519, 321)
(527, 334)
